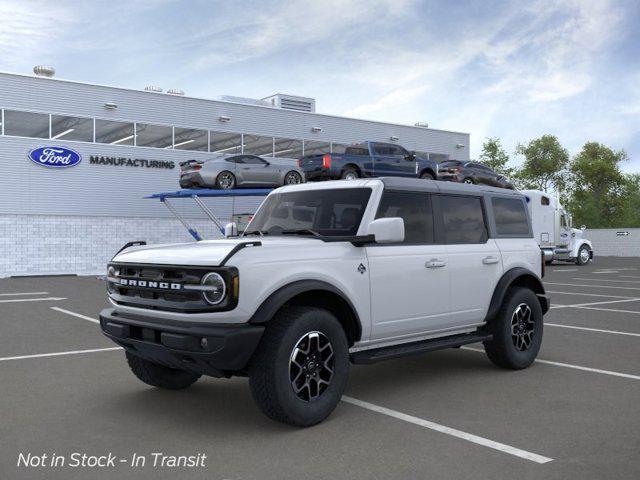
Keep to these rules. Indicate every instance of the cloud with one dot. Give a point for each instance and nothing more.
(31, 29)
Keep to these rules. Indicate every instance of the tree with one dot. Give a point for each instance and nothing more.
(545, 164)
(599, 190)
(494, 156)
(631, 209)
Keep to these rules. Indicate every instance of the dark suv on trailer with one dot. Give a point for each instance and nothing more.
(472, 173)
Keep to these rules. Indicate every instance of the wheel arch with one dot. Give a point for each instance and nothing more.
(355, 166)
(313, 293)
(517, 277)
(428, 170)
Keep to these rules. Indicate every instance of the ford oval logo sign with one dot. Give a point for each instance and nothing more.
(56, 157)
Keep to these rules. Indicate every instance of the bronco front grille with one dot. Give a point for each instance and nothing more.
(165, 287)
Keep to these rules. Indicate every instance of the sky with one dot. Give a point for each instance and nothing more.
(514, 70)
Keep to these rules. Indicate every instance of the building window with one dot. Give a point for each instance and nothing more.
(258, 145)
(190, 139)
(114, 133)
(225, 143)
(156, 136)
(316, 148)
(71, 128)
(287, 148)
(26, 124)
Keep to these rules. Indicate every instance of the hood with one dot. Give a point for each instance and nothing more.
(205, 253)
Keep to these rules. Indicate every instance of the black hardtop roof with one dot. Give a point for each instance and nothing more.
(433, 186)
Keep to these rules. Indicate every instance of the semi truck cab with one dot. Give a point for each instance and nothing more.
(554, 232)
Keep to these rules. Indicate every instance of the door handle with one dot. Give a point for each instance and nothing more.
(490, 260)
(435, 263)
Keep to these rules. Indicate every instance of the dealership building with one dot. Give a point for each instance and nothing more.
(129, 144)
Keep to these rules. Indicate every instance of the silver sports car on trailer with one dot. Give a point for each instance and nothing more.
(227, 172)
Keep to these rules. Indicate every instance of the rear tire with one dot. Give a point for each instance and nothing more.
(225, 180)
(300, 368)
(517, 330)
(584, 255)
(427, 176)
(160, 376)
(292, 178)
(350, 173)
(468, 181)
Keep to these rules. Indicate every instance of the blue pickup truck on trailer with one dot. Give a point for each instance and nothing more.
(368, 159)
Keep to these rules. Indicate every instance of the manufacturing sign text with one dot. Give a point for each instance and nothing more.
(130, 162)
(55, 157)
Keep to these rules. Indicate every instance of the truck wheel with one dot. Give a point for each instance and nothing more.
(517, 330)
(225, 180)
(469, 181)
(426, 176)
(160, 376)
(300, 368)
(349, 173)
(584, 255)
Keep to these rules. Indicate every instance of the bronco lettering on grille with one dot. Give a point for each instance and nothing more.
(148, 284)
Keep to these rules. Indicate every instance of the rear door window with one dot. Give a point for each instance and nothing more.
(510, 217)
(415, 209)
(463, 219)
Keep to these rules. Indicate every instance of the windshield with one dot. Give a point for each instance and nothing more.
(326, 212)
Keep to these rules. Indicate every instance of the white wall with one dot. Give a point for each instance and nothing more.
(607, 242)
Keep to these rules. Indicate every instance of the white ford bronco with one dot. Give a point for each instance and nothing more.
(329, 274)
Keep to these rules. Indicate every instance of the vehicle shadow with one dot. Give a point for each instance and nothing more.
(227, 405)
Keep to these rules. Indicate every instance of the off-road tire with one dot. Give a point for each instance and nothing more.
(160, 376)
(427, 176)
(469, 181)
(502, 350)
(579, 260)
(269, 369)
(350, 173)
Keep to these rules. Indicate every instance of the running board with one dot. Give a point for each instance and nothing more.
(417, 348)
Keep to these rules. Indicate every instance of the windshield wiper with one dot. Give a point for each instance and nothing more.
(301, 231)
(255, 232)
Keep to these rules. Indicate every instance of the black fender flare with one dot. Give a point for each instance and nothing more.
(280, 297)
(517, 276)
(430, 170)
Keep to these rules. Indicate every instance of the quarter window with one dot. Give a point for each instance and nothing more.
(26, 124)
(510, 216)
(463, 219)
(415, 209)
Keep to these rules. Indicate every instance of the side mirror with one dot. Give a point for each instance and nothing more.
(387, 230)
(231, 230)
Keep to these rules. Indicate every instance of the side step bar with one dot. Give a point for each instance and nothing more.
(417, 348)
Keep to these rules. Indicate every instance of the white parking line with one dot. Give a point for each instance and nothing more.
(633, 299)
(598, 330)
(610, 310)
(23, 293)
(74, 314)
(592, 286)
(534, 457)
(58, 354)
(629, 276)
(563, 270)
(587, 294)
(606, 272)
(47, 299)
(606, 280)
(575, 367)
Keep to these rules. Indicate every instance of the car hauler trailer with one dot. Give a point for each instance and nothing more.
(553, 230)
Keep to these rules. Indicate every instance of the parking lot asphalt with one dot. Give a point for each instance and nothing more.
(451, 414)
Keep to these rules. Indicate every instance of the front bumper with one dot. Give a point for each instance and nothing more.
(215, 350)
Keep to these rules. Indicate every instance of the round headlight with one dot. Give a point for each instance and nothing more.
(218, 290)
